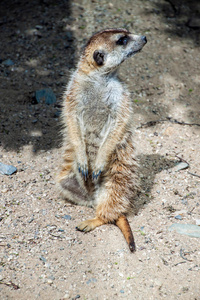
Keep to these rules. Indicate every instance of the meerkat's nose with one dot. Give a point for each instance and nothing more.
(144, 39)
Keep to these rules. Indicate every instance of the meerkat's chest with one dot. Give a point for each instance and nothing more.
(97, 105)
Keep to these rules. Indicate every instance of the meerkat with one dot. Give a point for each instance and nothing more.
(99, 166)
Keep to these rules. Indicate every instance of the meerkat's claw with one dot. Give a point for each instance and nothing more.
(83, 169)
(95, 175)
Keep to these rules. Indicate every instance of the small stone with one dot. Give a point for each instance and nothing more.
(46, 95)
(178, 217)
(7, 169)
(187, 229)
(181, 166)
(31, 220)
(39, 27)
(122, 291)
(43, 259)
(8, 62)
(184, 201)
(67, 217)
(91, 280)
(49, 281)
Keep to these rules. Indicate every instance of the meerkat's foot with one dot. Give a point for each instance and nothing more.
(98, 169)
(90, 224)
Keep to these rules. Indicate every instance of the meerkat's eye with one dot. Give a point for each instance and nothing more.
(123, 41)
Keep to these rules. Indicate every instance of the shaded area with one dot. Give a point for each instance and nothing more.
(150, 166)
(166, 85)
(182, 16)
(40, 51)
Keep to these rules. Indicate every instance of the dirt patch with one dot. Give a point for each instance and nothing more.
(42, 255)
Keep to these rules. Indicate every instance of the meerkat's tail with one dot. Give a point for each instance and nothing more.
(125, 228)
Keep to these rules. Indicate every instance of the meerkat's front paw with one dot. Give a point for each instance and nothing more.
(96, 174)
(98, 169)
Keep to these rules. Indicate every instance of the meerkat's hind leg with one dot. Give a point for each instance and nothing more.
(90, 224)
(124, 226)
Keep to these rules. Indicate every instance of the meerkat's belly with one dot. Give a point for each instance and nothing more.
(98, 121)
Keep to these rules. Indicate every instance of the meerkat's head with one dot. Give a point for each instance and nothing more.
(107, 49)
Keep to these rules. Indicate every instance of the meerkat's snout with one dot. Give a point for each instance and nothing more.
(144, 39)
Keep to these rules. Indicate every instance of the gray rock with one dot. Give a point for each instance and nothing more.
(8, 62)
(43, 259)
(178, 217)
(46, 95)
(91, 280)
(187, 229)
(181, 166)
(67, 217)
(7, 169)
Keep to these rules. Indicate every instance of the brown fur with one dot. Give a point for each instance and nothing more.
(99, 168)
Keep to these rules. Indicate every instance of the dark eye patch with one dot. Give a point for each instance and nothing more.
(123, 41)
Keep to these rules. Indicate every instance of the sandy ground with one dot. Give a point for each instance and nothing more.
(42, 256)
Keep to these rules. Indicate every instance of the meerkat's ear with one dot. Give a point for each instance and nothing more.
(99, 57)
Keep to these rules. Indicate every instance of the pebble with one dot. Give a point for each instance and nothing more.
(187, 229)
(91, 280)
(31, 220)
(67, 217)
(43, 259)
(7, 169)
(47, 95)
(181, 166)
(178, 217)
(8, 62)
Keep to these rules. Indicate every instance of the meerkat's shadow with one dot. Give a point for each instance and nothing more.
(150, 165)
